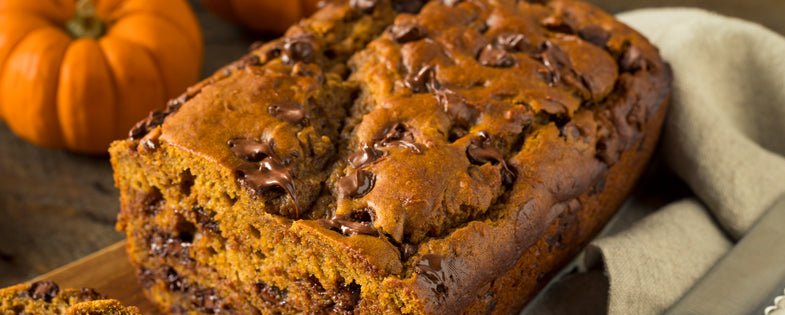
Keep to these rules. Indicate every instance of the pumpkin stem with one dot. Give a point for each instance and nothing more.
(85, 23)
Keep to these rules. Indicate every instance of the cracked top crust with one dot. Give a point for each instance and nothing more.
(445, 97)
(406, 121)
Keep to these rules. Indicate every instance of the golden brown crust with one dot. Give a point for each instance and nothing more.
(466, 149)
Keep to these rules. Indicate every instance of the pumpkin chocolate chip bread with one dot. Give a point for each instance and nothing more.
(46, 298)
(392, 157)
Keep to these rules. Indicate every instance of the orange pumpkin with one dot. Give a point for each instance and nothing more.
(263, 15)
(78, 74)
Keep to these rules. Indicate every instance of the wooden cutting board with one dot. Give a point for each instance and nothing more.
(108, 272)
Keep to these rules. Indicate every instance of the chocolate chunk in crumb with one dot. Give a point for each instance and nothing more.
(406, 32)
(398, 135)
(366, 156)
(491, 56)
(366, 6)
(595, 34)
(46, 290)
(297, 49)
(249, 149)
(290, 112)
(422, 81)
(270, 293)
(357, 184)
(346, 298)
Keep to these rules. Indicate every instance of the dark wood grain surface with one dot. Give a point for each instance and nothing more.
(56, 207)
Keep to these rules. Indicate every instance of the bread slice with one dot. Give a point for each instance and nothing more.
(46, 298)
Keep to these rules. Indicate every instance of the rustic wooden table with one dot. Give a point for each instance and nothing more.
(56, 207)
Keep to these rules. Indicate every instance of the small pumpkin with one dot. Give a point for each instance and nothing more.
(270, 16)
(77, 74)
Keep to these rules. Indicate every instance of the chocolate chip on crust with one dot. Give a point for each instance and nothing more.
(406, 32)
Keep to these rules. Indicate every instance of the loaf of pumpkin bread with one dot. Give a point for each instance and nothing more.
(409, 157)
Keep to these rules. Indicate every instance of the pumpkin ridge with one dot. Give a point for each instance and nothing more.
(110, 70)
(33, 133)
(46, 24)
(159, 73)
(84, 115)
(181, 31)
(147, 44)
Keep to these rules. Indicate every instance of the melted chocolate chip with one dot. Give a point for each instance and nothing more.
(554, 58)
(632, 60)
(406, 32)
(513, 42)
(456, 107)
(290, 112)
(46, 290)
(407, 251)
(156, 118)
(271, 172)
(558, 24)
(357, 184)
(366, 6)
(481, 151)
(346, 226)
(422, 81)
(451, 3)
(297, 48)
(491, 56)
(366, 156)
(250, 150)
(595, 34)
(408, 6)
(398, 135)
(430, 267)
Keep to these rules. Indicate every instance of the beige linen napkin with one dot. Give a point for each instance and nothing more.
(724, 136)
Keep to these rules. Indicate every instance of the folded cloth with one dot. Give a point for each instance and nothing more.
(724, 137)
